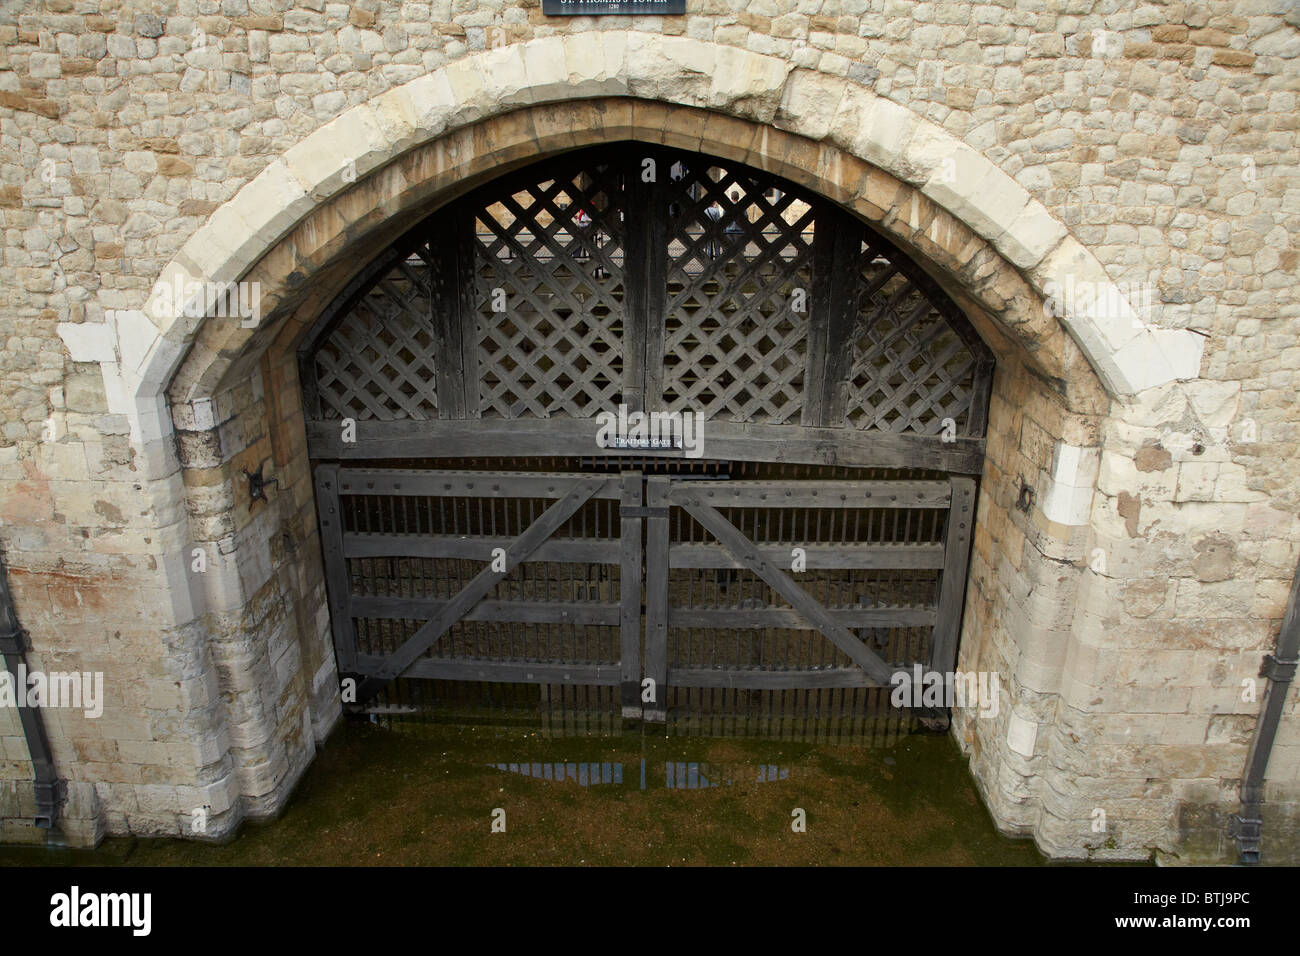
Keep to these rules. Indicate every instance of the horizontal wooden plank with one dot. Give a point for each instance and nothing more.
(577, 437)
(509, 672)
(790, 618)
(477, 548)
(870, 556)
(815, 494)
(467, 484)
(755, 679)
(530, 612)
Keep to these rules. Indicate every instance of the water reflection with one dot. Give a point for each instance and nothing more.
(583, 774)
(694, 776)
(567, 711)
(677, 775)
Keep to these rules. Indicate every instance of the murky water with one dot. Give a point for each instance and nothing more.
(402, 790)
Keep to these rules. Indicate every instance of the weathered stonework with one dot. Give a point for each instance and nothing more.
(1014, 149)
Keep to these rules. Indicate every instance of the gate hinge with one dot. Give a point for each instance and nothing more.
(629, 511)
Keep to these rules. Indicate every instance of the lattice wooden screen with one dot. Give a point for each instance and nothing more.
(739, 274)
(548, 273)
(911, 369)
(568, 287)
(380, 360)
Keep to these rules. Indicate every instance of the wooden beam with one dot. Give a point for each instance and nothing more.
(464, 484)
(457, 324)
(656, 597)
(528, 612)
(783, 617)
(577, 437)
(338, 587)
(477, 548)
(508, 672)
(865, 556)
(755, 679)
(834, 302)
(819, 494)
(952, 586)
(630, 598)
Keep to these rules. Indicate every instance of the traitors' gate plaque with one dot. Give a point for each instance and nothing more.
(589, 8)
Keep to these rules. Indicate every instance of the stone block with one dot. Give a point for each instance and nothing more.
(344, 150)
(88, 341)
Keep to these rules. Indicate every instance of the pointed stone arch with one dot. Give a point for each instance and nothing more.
(297, 229)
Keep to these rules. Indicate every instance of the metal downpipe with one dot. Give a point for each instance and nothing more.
(13, 647)
(1279, 667)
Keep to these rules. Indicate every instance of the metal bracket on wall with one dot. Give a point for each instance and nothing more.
(1278, 669)
(257, 485)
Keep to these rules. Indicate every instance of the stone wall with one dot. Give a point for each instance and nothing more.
(1134, 542)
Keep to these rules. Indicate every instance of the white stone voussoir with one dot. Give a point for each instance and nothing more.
(1127, 355)
(342, 151)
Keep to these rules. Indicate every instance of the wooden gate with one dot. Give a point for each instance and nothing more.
(638, 277)
(650, 584)
(816, 584)
(528, 578)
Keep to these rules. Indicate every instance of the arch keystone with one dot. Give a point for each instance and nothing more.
(507, 75)
(811, 105)
(674, 69)
(748, 84)
(546, 72)
(587, 68)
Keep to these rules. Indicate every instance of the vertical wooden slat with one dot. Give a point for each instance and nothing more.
(832, 307)
(630, 584)
(844, 316)
(656, 601)
(636, 288)
(820, 306)
(978, 419)
(455, 314)
(952, 587)
(645, 271)
(337, 586)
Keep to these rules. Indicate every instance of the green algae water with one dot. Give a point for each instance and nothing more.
(411, 791)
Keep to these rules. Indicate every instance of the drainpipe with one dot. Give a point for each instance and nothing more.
(13, 647)
(1279, 667)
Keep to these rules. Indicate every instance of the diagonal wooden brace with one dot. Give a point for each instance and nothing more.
(517, 551)
(747, 553)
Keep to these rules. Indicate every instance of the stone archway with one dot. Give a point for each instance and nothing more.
(296, 230)
(844, 118)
